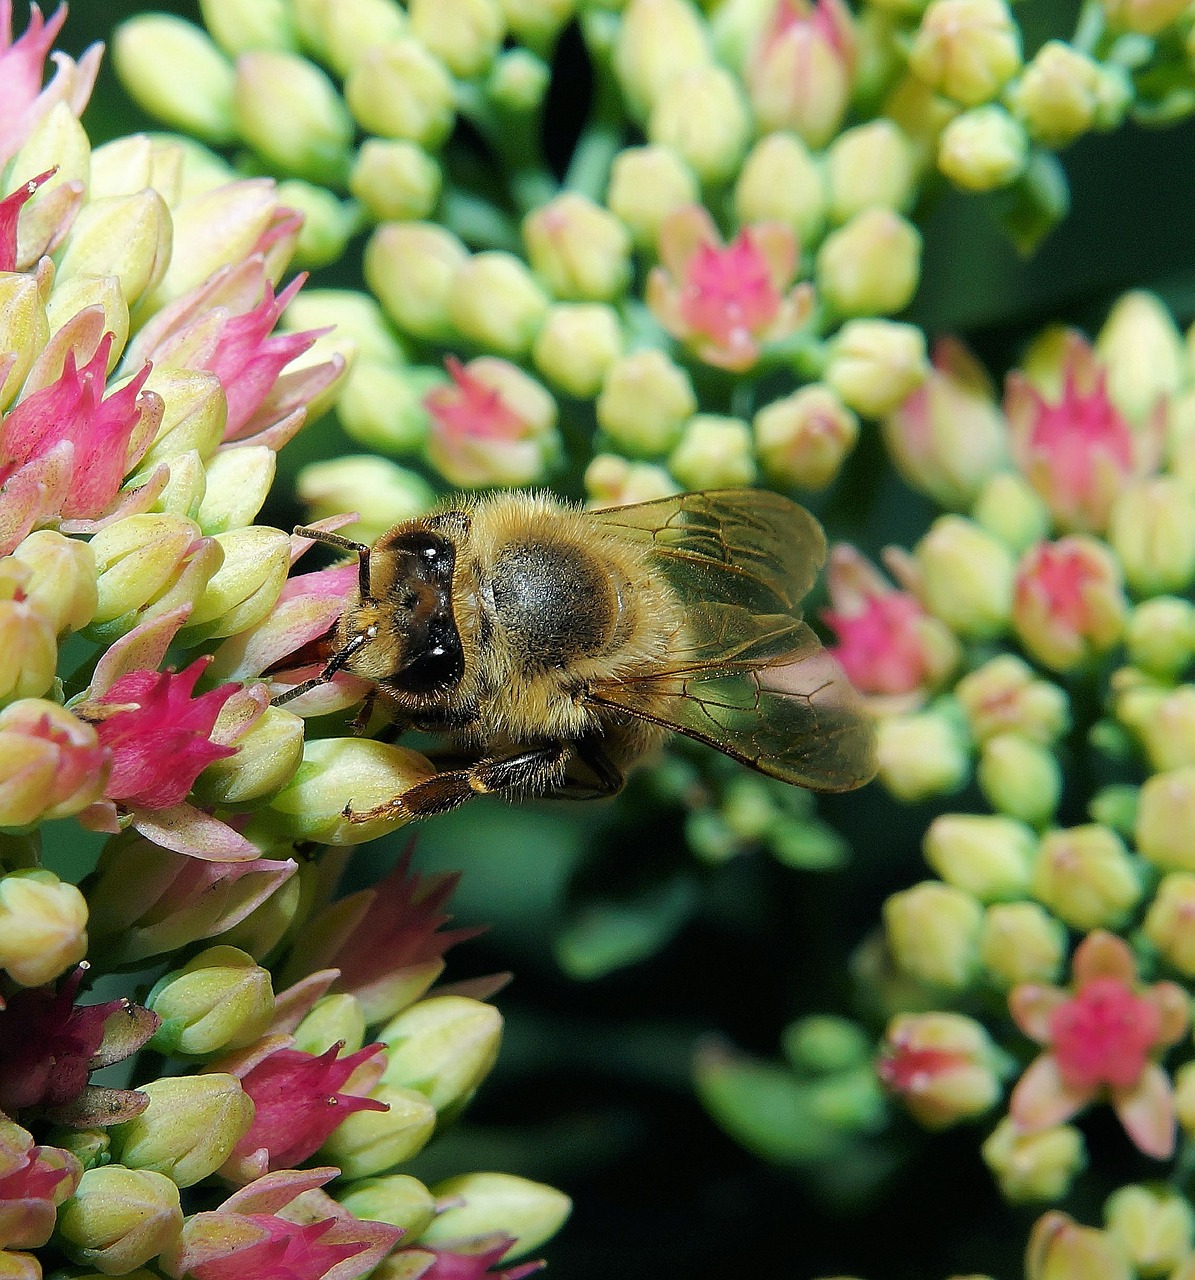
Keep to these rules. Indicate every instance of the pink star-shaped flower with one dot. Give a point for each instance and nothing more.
(1102, 1037)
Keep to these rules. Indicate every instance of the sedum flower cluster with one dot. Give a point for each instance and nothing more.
(282, 1053)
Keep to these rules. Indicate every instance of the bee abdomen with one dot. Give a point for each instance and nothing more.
(554, 602)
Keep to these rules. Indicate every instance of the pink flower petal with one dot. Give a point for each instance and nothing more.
(1041, 1100)
(1147, 1112)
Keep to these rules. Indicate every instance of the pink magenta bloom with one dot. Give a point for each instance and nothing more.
(467, 408)
(446, 1264)
(10, 215)
(162, 742)
(297, 1104)
(288, 1252)
(1101, 1036)
(726, 301)
(1078, 452)
(34, 1181)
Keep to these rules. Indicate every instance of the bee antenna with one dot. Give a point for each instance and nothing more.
(360, 549)
(335, 664)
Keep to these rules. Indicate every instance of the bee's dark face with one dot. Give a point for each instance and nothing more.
(418, 600)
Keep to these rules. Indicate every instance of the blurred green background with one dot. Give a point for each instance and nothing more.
(629, 952)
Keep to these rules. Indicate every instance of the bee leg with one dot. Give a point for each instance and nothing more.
(537, 769)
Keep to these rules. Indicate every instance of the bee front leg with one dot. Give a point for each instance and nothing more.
(535, 770)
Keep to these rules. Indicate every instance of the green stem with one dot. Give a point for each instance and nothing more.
(589, 169)
(478, 222)
(1090, 27)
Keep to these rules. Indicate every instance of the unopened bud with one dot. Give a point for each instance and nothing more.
(1155, 1225)
(398, 89)
(804, 438)
(577, 345)
(658, 40)
(612, 481)
(495, 301)
(481, 1204)
(220, 1000)
(1009, 507)
(1086, 877)
(933, 933)
(395, 180)
(398, 1199)
(967, 577)
(646, 185)
(966, 49)
(383, 493)
(1020, 778)
(336, 1019)
(410, 267)
(43, 926)
(702, 116)
(238, 481)
(443, 1047)
(28, 650)
(381, 406)
(943, 1067)
(781, 182)
(464, 34)
(1060, 1249)
(644, 402)
(1152, 531)
(1164, 831)
(1021, 942)
(128, 237)
(579, 250)
(983, 149)
(876, 364)
(1004, 695)
(871, 265)
(370, 1142)
(120, 1218)
(867, 167)
(714, 452)
(1034, 1166)
(61, 582)
(986, 856)
(921, 755)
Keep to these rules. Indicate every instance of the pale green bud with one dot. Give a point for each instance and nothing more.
(341, 32)
(61, 582)
(238, 27)
(1020, 778)
(1160, 636)
(1165, 724)
(871, 265)
(189, 1128)
(24, 329)
(645, 401)
(328, 223)
(966, 577)
(28, 650)
(247, 584)
(395, 179)
(537, 22)
(443, 1047)
(1004, 695)
(612, 481)
(1021, 942)
(1165, 821)
(983, 149)
(780, 181)
(518, 81)
(398, 1199)
(464, 34)
(43, 926)
(483, 1203)
(370, 1142)
(120, 1218)
(1009, 507)
(397, 89)
(804, 438)
(714, 452)
(579, 250)
(176, 73)
(358, 774)
(920, 755)
(337, 1019)
(219, 1000)
(137, 559)
(1056, 96)
(194, 416)
(382, 406)
(875, 364)
(69, 297)
(1167, 924)
(658, 40)
(577, 345)
(1060, 1249)
(961, 1079)
(933, 933)
(354, 313)
(646, 185)
(383, 493)
(1155, 1225)
(966, 49)
(495, 301)
(1142, 351)
(57, 139)
(1143, 17)
(51, 763)
(238, 481)
(986, 856)
(1086, 877)
(703, 117)
(1034, 1166)
(869, 166)
(410, 267)
(1152, 531)
(268, 754)
(129, 237)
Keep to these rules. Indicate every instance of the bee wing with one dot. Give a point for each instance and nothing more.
(795, 717)
(740, 560)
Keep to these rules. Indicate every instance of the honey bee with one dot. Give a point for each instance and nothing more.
(557, 647)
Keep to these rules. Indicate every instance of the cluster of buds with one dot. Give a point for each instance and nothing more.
(145, 390)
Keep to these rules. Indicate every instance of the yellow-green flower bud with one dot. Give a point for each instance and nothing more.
(867, 167)
(1168, 922)
(58, 139)
(1165, 826)
(410, 268)
(370, 1142)
(382, 492)
(120, 1218)
(1004, 695)
(578, 249)
(220, 1000)
(518, 81)
(933, 933)
(983, 149)
(1010, 508)
(920, 755)
(612, 481)
(61, 582)
(354, 313)
(397, 89)
(443, 1047)
(176, 73)
(714, 452)
(1021, 942)
(237, 28)
(1155, 1225)
(341, 32)
(128, 237)
(464, 34)
(1034, 1166)
(966, 49)
(357, 774)
(395, 179)
(1020, 778)
(1152, 531)
(780, 181)
(238, 481)
(185, 486)
(495, 301)
(943, 1066)
(986, 856)
(139, 559)
(24, 329)
(703, 117)
(967, 577)
(804, 438)
(1143, 17)
(483, 1203)
(875, 364)
(247, 584)
(337, 1019)
(537, 22)
(398, 1199)
(288, 111)
(869, 266)
(328, 223)
(1160, 636)
(658, 40)
(646, 185)
(1060, 1249)
(1086, 877)
(1056, 96)
(189, 1128)
(382, 406)
(576, 346)
(1143, 353)
(1166, 725)
(28, 650)
(43, 926)
(267, 756)
(72, 296)
(1184, 1100)
(644, 402)
(194, 417)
